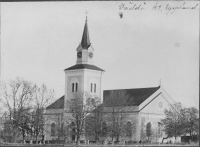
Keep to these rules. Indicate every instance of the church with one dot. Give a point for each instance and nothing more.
(144, 105)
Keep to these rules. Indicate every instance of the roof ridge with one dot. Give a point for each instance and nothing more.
(84, 66)
(132, 88)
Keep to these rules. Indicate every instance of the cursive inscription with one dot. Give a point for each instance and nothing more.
(169, 8)
(132, 6)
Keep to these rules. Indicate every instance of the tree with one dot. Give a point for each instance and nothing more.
(24, 123)
(16, 97)
(142, 131)
(148, 130)
(94, 121)
(41, 99)
(172, 122)
(25, 103)
(6, 133)
(116, 112)
(190, 120)
(78, 108)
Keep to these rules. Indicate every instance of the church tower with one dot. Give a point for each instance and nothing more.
(84, 76)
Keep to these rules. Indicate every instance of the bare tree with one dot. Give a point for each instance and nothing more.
(142, 131)
(172, 122)
(190, 120)
(94, 121)
(78, 110)
(16, 97)
(42, 98)
(116, 113)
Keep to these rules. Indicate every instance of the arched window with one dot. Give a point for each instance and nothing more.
(53, 129)
(159, 129)
(129, 129)
(74, 84)
(148, 130)
(76, 87)
(72, 87)
(91, 87)
(94, 88)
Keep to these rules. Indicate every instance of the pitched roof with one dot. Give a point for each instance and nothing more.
(85, 42)
(84, 66)
(58, 104)
(136, 96)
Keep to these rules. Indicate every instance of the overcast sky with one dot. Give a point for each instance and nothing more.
(39, 40)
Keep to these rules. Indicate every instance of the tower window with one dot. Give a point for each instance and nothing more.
(91, 87)
(76, 87)
(72, 87)
(94, 88)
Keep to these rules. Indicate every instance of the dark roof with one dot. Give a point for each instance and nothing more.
(85, 42)
(84, 66)
(58, 104)
(135, 96)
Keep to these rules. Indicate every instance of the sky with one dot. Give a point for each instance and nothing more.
(39, 41)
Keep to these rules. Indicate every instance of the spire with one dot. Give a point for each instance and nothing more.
(85, 42)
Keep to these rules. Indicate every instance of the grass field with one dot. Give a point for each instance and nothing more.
(94, 145)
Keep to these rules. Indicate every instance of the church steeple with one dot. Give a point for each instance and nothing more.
(85, 50)
(85, 42)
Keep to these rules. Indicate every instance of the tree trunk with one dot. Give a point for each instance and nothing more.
(117, 139)
(191, 138)
(112, 137)
(23, 136)
(14, 136)
(175, 140)
(36, 139)
(164, 139)
(77, 139)
(43, 141)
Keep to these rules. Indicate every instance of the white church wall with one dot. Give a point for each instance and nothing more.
(52, 118)
(68, 88)
(130, 115)
(94, 77)
(133, 117)
(156, 106)
(153, 112)
(157, 130)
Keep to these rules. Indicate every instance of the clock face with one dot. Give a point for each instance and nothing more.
(90, 54)
(79, 54)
